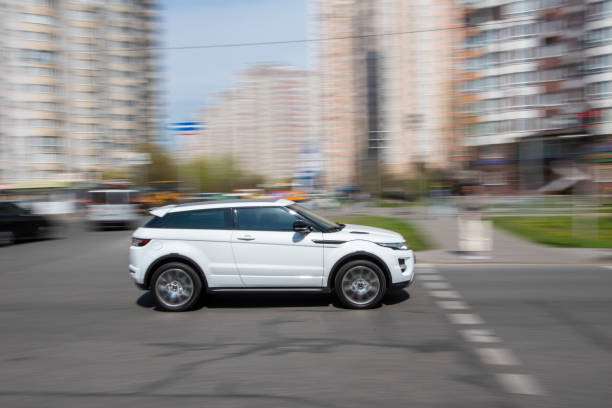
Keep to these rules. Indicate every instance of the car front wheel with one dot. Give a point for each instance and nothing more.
(360, 284)
(176, 287)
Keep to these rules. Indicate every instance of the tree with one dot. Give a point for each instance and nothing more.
(161, 166)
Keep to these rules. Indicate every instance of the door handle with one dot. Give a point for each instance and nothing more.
(246, 238)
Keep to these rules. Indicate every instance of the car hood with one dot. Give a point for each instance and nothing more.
(353, 232)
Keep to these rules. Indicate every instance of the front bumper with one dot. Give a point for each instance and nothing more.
(401, 267)
(404, 284)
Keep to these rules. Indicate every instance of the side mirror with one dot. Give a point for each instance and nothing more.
(301, 226)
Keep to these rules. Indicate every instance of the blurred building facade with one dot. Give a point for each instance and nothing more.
(533, 84)
(264, 123)
(80, 87)
(336, 91)
(386, 86)
(598, 79)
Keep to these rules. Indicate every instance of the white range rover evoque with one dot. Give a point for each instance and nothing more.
(263, 245)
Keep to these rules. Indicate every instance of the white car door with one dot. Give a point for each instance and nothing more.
(203, 236)
(269, 253)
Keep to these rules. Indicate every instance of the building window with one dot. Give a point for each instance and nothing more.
(37, 19)
(600, 89)
(42, 57)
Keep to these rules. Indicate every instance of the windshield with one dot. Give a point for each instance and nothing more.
(314, 217)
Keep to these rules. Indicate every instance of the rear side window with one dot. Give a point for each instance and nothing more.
(155, 222)
(265, 219)
(218, 218)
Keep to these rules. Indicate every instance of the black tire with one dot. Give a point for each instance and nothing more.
(175, 287)
(368, 269)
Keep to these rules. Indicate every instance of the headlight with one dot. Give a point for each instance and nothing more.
(396, 245)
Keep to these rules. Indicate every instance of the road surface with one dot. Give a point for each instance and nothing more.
(77, 332)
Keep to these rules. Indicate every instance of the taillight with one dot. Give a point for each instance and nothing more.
(139, 242)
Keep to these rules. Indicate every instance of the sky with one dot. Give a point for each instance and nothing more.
(193, 76)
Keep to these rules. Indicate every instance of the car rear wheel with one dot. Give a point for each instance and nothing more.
(360, 284)
(176, 287)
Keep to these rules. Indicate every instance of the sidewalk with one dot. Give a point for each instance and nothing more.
(507, 248)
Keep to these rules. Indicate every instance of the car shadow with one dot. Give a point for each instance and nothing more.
(24, 241)
(272, 300)
(146, 300)
(395, 296)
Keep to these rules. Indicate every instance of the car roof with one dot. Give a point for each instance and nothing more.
(266, 202)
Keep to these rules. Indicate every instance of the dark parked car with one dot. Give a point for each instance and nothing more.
(17, 223)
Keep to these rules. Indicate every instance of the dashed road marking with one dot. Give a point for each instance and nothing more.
(451, 301)
(520, 384)
(465, 318)
(496, 356)
(452, 304)
(479, 336)
(424, 265)
(607, 266)
(431, 278)
(445, 294)
(435, 285)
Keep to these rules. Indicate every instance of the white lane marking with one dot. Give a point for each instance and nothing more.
(445, 294)
(465, 318)
(436, 285)
(426, 271)
(431, 278)
(607, 266)
(520, 384)
(452, 304)
(496, 356)
(424, 265)
(513, 383)
(479, 336)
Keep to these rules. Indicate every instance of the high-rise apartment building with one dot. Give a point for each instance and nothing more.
(598, 78)
(386, 86)
(264, 123)
(336, 91)
(534, 90)
(419, 59)
(79, 91)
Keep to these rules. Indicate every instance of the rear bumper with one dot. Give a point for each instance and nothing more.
(140, 286)
(136, 276)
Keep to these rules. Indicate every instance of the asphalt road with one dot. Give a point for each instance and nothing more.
(76, 332)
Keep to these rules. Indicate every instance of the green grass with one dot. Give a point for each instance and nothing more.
(414, 237)
(561, 231)
(396, 204)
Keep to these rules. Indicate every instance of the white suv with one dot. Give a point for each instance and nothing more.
(263, 245)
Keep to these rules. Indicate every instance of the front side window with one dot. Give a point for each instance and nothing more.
(265, 219)
(314, 217)
(217, 218)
